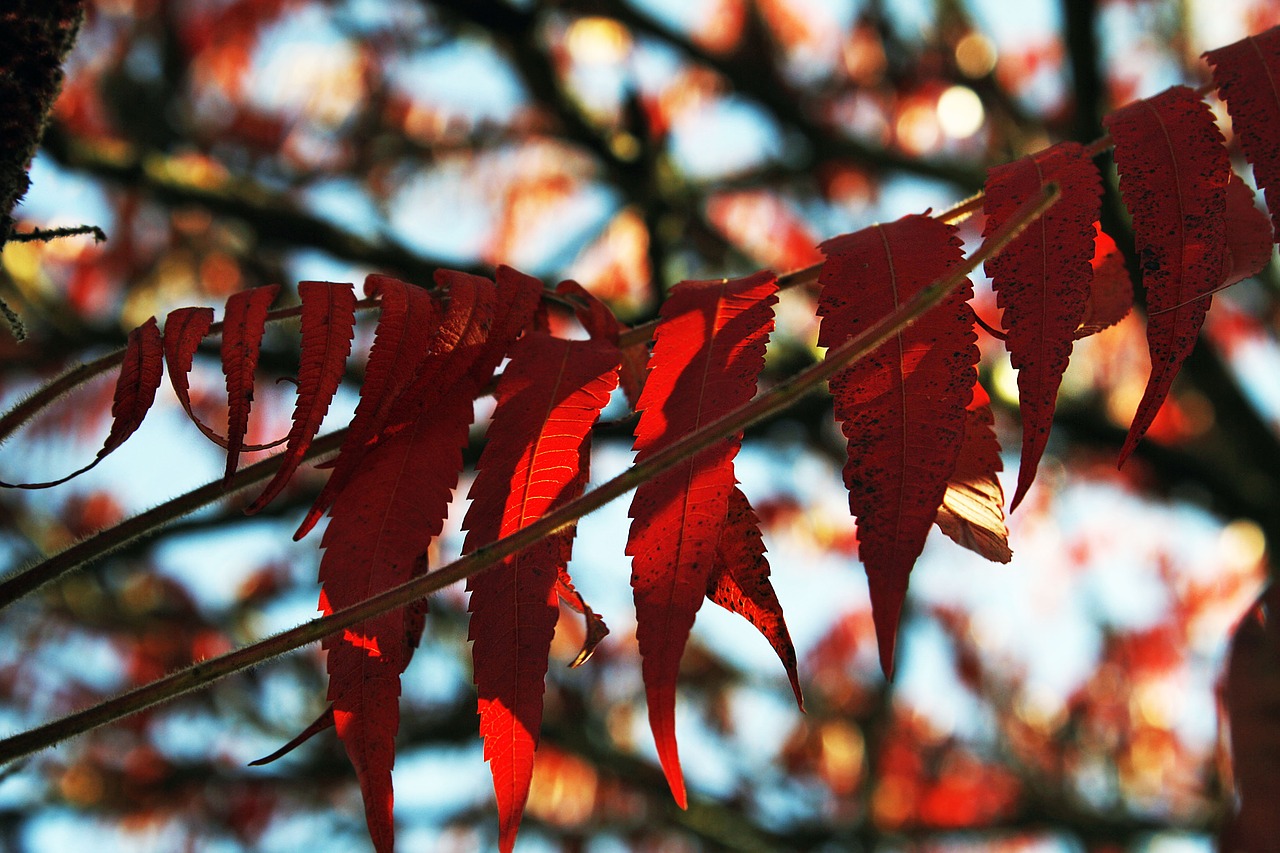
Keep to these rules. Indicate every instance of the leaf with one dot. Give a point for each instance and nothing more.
(328, 324)
(1173, 177)
(395, 503)
(381, 523)
(595, 629)
(380, 527)
(972, 511)
(136, 384)
(902, 406)
(519, 298)
(533, 462)
(1251, 694)
(708, 351)
(184, 329)
(1248, 233)
(1247, 74)
(407, 319)
(601, 323)
(739, 582)
(319, 724)
(242, 329)
(1042, 281)
(1110, 290)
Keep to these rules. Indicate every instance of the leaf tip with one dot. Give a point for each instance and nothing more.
(662, 713)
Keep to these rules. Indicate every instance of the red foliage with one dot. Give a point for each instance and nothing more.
(1043, 282)
(328, 321)
(242, 331)
(706, 356)
(1173, 175)
(902, 407)
(521, 476)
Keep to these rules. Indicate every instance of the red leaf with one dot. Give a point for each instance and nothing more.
(1251, 694)
(1173, 176)
(319, 724)
(972, 511)
(394, 504)
(328, 324)
(1111, 289)
(601, 323)
(1248, 233)
(246, 318)
(1247, 74)
(1042, 281)
(513, 313)
(136, 384)
(903, 406)
(406, 321)
(184, 329)
(739, 582)
(381, 525)
(708, 351)
(533, 462)
(595, 629)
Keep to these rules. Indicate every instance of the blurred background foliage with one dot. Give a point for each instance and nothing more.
(1063, 702)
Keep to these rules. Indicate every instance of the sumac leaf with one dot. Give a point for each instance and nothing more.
(739, 583)
(1247, 74)
(902, 407)
(708, 352)
(407, 319)
(1110, 290)
(972, 511)
(1042, 280)
(328, 324)
(242, 329)
(534, 461)
(1173, 177)
(136, 384)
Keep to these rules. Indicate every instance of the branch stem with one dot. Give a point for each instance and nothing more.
(86, 551)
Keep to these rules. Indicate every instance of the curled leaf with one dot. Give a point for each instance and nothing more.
(328, 324)
(136, 384)
(242, 329)
(972, 511)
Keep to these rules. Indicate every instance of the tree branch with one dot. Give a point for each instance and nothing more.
(275, 219)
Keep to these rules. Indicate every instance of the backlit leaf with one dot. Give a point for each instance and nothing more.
(902, 407)
(534, 461)
(707, 353)
(1173, 176)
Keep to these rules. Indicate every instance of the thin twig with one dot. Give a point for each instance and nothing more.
(772, 401)
(44, 235)
(95, 547)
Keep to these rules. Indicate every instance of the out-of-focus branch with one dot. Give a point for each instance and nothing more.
(1080, 18)
(275, 220)
(757, 78)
